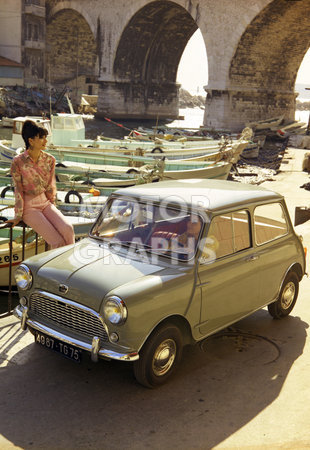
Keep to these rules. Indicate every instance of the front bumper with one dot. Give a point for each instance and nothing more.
(21, 312)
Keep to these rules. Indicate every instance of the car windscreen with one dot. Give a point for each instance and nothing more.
(161, 229)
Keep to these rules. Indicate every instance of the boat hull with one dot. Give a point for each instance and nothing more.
(17, 253)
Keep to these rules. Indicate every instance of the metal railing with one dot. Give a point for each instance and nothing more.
(11, 262)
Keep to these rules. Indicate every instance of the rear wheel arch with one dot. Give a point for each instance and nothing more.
(287, 296)
(298, 270)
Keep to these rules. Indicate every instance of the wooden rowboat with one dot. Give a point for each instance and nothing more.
(32, 247)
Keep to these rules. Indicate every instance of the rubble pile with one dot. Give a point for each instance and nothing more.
(260, 169)
(277, 136)
(20, 101)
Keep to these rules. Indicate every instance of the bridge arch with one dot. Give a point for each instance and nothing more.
(254, 52)
(72, 47)
(152, 43)
(147, 59)
(261, 76)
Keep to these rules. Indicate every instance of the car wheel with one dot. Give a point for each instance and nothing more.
(287, 297)
(159, 356)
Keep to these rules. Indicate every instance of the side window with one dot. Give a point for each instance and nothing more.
(269, 223)
(241, 231)
(220, 236)
(228, 234)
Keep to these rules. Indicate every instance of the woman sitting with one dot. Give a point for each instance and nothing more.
(33, 173)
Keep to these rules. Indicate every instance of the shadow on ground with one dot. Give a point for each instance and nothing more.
(5, 303)
(47, 401)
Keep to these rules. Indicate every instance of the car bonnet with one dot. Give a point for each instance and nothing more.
(90, 271)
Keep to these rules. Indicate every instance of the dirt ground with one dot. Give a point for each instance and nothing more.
(247, 389)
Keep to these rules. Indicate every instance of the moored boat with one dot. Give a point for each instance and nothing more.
(31, 248)
(218, 171)
(7, 122)
(81, 225)
(66, 133)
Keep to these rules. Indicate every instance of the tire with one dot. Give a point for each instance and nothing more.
(157, 150)
(134, 171)
(165, 342)
(72, 192)
(5, 190)
(287, 297)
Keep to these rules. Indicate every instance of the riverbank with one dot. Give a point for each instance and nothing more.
(20, 101)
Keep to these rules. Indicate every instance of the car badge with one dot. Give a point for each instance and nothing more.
(63, 288)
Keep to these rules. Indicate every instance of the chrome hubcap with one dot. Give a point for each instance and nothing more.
(164, 357)
(288, 295)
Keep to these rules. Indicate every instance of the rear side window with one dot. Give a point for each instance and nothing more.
(228, 234)
(269, 223)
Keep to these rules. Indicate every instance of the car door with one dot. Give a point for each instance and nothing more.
(275, 248)
(227, 272)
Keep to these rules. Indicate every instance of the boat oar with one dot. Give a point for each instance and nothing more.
(122, 126)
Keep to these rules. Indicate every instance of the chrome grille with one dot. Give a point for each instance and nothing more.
(67, 316)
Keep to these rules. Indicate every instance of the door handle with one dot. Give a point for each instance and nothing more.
(252, 258)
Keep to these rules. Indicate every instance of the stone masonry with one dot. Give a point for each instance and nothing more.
(133, 48)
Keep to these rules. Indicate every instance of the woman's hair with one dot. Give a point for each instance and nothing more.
(31, 130)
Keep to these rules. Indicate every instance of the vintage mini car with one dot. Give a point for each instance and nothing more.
(165, 264)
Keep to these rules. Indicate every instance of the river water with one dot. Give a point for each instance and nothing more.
(193, 118)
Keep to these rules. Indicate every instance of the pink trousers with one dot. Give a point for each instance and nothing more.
(41, 215)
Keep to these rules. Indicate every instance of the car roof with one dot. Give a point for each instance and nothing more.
(206, 195)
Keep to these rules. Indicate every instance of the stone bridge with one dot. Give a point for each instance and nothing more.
(132, 48)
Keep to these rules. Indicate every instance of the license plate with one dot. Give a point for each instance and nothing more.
(57, 346)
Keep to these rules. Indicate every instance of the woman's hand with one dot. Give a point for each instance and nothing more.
(14, 222)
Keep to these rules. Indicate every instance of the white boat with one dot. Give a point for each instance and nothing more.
(66, 132)
(72, 203)
(31, 248)
(218, 171)
(267, 124)
(82, 226)
(7, 122)
(9, 148)
(251, 151)
(63, 129)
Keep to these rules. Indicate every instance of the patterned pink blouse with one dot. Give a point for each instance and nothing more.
(33, 178)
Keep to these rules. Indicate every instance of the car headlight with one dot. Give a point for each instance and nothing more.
(23, 277)
(115, 310)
